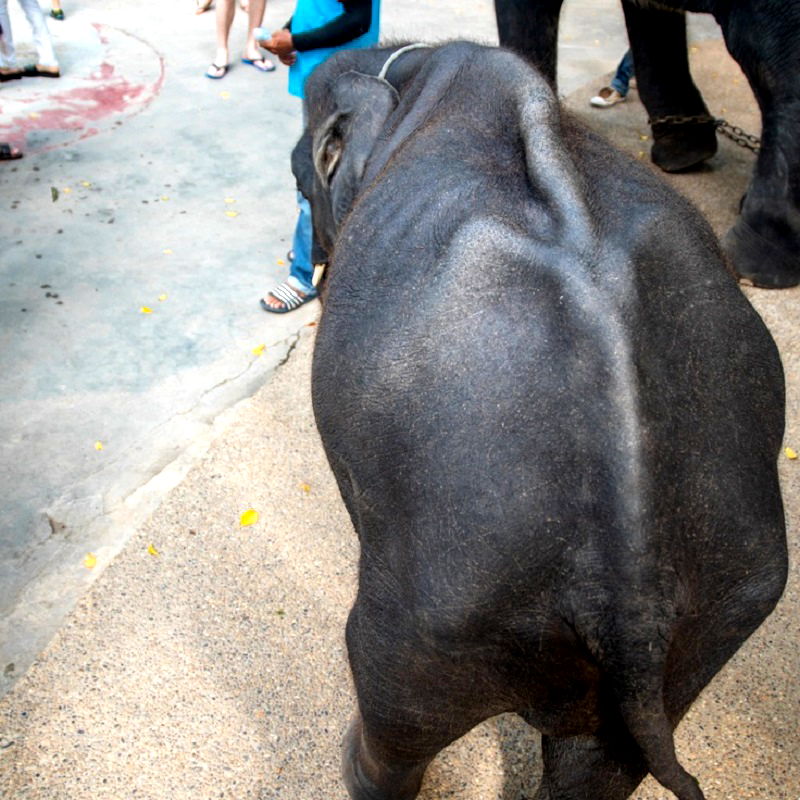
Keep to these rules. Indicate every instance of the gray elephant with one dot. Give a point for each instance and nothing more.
(553, 418)
(764, 38)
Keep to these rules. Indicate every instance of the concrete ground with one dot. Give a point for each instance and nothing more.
(207, 658)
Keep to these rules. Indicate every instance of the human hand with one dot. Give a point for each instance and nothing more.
(280, 44)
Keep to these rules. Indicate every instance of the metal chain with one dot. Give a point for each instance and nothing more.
(737, 135)
(733, 132)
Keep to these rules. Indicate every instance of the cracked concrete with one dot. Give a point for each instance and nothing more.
(121, 203)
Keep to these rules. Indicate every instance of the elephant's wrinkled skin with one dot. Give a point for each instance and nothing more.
(553, 417)
(764, 38)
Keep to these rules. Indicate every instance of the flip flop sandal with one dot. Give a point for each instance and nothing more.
(57, 13)
(261, 64)
(217, 67)
(33, 71)
(8, 153)
(290, 298)
(14, 75)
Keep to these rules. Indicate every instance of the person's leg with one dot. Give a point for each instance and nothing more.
(301, 270)
(8, 58)
(255, 16)
(47, 61)
(622, 79)
(225, 12)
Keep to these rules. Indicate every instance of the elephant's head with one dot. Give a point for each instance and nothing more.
(345, 119)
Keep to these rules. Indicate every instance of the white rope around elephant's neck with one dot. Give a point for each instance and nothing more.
(397, 53)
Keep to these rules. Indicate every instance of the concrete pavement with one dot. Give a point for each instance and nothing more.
(207, 659)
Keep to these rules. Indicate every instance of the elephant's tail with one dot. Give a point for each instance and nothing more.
(642, 707)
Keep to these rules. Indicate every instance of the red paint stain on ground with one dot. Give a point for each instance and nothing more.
(76, 109)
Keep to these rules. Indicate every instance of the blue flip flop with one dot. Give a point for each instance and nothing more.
(217, 67)
(261, 64)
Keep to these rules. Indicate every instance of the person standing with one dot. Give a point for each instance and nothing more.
(47, 64)
(317, 29)
(252, 55)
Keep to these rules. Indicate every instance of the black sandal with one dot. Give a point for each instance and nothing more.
(8, 153)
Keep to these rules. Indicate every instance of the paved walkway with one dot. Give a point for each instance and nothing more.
(207, 659)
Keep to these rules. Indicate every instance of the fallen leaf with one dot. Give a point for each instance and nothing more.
(280, 612)
(257, 351)
(791, 454)
(98, 445)
(231, 213)
(249, 517)
(311, 325)
(90, 561)
(53, 193)
(162, 297)
(151, 548)
(146, 310)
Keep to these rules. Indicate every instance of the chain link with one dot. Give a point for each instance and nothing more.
(737, 135)
(733, 132)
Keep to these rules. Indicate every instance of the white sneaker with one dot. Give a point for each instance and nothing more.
(607, 97)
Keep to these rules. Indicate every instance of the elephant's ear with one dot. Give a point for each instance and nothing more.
(345, 140)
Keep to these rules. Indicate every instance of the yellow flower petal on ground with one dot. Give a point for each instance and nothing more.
(305, 487)
(86, 184)
(151, 548)
(281, 262)
(164, 198)
(231, 213)
(257, 351)
(167, 251)
(162, 297)
(225, 95)
(230, 200)
(90, 561)
(249, 517)
(66, 190)
(146, 310)
(98, 445)
(643, 137)
(790, 453)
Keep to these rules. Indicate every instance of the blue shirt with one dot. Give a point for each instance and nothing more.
(310, 14)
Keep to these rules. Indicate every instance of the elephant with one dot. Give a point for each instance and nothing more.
(763, 36)
(552, 415)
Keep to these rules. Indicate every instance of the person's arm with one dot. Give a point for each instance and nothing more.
(351, 24)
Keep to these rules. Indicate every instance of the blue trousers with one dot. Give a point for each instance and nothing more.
(621, 81)
(301, 270)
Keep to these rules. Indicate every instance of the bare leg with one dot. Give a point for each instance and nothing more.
(255, 15)
(225, 11)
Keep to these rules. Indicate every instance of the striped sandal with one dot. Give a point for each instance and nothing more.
(290, 298)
